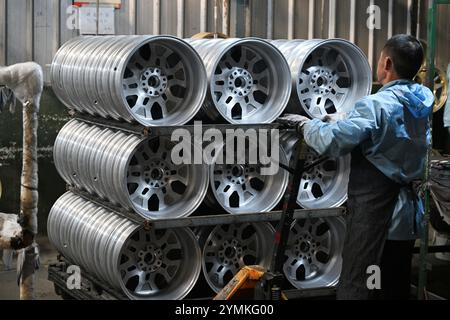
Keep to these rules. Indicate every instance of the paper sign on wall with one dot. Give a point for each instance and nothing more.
(88, 20)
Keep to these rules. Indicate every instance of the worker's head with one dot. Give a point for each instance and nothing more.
(401, 58)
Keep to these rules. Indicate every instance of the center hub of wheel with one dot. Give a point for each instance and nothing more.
(240, 82)
(150, 259)
(238, 171)
(155, 175)
(230, 252)
(153, 82)
(321, 80)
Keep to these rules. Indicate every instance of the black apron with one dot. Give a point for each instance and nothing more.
(371, 202)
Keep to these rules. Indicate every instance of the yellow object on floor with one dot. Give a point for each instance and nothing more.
(246, 278)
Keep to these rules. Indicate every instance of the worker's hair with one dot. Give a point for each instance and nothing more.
(406, 53)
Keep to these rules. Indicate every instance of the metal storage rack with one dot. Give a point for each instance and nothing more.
(93, 289)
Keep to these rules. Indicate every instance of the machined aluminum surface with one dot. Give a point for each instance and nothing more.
(228, 248)
(328, 76)
(244, 188)
(314, 252)
(155, 264)
(154, 80)
(249, 80)
(128, 171)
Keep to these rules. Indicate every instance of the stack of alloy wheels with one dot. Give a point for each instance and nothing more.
(120, 176)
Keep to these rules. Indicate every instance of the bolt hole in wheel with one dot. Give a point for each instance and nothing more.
(228, 248)
(324, 186)
(328, 76)
(154, 80)
(313, 253)
(157, 264)
(249, 80)
(243, 188)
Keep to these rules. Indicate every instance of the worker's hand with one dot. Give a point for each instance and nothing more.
(335, 117)
(293, 120)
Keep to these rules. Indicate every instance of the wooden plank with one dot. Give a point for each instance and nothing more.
(2, 32)
(19, 15)
(46, 33)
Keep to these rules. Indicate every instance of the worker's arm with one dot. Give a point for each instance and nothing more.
(341, 137)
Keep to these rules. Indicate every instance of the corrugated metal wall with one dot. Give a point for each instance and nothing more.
(34, 29)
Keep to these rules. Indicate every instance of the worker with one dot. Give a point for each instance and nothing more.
(387, 134)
